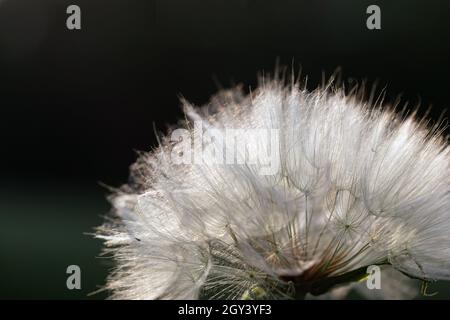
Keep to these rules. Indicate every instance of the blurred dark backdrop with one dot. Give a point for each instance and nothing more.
(75, 105)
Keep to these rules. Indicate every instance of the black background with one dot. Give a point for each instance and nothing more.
(75, 105)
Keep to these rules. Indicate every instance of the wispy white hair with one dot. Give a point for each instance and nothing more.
(358, 185)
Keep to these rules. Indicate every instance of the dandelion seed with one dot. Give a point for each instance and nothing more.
(356, 186)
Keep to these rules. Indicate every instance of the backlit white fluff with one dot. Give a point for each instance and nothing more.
(356, 186)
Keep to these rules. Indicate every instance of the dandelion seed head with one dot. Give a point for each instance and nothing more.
(357, 185)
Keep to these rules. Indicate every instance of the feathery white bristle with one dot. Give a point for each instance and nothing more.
(355, 186)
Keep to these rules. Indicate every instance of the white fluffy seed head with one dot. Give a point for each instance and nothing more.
(354, 186)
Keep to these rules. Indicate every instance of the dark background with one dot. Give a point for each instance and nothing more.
(75, 105)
